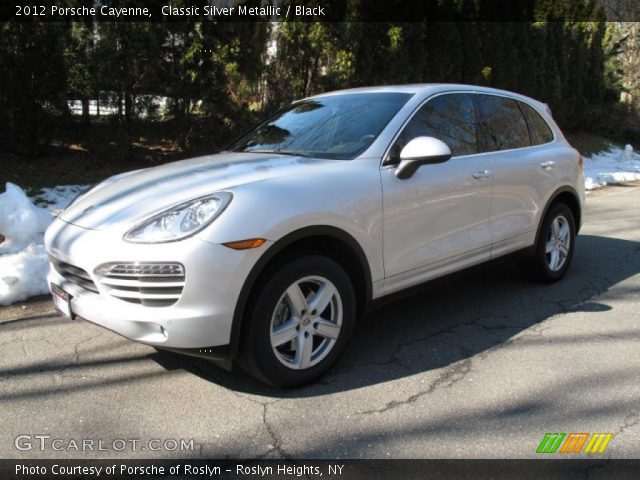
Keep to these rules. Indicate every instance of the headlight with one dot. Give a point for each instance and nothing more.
(181, 221)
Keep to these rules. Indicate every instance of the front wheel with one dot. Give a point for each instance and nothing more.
(300, 322)
(556, 243)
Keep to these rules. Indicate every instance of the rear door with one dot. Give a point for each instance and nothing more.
(511, 135)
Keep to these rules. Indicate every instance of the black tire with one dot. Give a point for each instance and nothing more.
(540, 264)
(258, 357)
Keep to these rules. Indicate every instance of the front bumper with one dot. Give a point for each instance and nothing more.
(200, 319)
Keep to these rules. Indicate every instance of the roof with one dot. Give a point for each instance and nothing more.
(430, 88)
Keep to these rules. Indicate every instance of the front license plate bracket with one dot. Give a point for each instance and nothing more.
(61, 301)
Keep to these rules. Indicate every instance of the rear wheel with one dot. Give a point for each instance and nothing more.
(300, 322)
(556, 242)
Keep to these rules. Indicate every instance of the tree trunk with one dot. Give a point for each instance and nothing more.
(86, 118)
(120, 106)
(128, 106)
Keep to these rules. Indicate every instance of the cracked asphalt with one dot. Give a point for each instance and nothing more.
(479, 367)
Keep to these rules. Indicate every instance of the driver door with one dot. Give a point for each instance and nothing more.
(438, 220)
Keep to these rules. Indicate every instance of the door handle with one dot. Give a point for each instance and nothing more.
(481, 174)
(548, 165)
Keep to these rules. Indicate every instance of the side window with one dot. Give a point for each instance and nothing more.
(449, 118)
(538, 127)
(501, 124)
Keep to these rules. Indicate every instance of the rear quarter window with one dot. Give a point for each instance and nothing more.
(538, 127)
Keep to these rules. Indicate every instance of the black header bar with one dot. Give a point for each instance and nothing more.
(302, 10)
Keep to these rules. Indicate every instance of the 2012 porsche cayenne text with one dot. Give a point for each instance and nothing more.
(269, 252)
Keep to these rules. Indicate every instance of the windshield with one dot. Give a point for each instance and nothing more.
(336, 127)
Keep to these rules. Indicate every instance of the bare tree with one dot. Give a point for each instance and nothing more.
(626, 15)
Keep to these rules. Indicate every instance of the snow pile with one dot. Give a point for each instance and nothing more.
(612, 167)
(21, 222)
(23, 274)
(23, 261)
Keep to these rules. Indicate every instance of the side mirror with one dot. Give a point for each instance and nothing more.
(421, 151)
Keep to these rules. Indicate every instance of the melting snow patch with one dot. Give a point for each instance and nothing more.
(612, 167)
(57, 198)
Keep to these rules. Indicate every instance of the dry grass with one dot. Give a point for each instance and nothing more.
(87, 154)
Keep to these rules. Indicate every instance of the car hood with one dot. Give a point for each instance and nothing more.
(133, 197)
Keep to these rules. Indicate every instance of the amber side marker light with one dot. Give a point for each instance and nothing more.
(246, 244)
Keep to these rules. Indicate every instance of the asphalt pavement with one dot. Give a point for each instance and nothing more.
(479, 367)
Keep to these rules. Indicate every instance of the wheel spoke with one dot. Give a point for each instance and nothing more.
(326, 329)
(285, 333)
(555, 227)
(304, 347)
(322, 298)
(554, 260)
(564, 232)
(296, 300)
(550, 247)
(563, 250)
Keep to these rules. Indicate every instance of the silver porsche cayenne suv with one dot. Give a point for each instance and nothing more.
(268, 253)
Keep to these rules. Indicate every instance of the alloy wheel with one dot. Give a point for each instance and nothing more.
(306, 322)
(558, 243)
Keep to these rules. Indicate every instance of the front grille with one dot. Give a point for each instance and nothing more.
(148, 284)
(73, 274)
